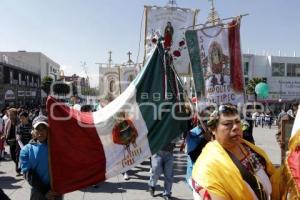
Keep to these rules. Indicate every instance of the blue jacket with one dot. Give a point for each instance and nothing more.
(194, 138)
(35, 157)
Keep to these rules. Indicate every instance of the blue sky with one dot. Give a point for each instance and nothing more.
(72, 31)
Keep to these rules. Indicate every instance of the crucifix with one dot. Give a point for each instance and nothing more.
(212, 3)
(172, 3)
(129, 57)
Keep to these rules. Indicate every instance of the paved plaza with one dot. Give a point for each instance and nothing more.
(136, 188)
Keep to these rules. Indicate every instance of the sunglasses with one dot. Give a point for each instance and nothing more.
(228, 109)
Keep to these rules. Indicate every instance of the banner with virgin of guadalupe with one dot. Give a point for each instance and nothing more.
(170, 23)
(215, 55)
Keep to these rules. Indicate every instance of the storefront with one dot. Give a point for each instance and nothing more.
(9, 98)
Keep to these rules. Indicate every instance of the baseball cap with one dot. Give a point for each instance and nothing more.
(41, 119)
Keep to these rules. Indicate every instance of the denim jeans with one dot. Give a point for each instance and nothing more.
(36, 195)
(189, 169)
(162, 162)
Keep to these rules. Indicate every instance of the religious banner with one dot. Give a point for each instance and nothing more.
(215, 56)
(170, 23)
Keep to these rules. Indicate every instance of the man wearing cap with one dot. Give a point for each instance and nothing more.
(34, 162)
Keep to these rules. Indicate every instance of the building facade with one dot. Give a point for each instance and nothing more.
(35, 62)
(79, 84)
(113, 80)
(281, 74)
(18, 86)
(77, 80)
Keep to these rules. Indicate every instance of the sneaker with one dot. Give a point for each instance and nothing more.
(19, 174)
(151, 191)
(167, 197)
(126, 177)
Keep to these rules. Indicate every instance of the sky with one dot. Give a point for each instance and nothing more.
(71, 32)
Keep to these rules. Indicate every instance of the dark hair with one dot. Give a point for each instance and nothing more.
(86, 108)
(24, 114)
(225, 109)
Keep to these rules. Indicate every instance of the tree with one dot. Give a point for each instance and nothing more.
(89, 91)
(46, 84)
(61, 88)
(252, 84)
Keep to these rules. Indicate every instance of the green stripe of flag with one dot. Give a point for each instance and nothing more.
(150, 97)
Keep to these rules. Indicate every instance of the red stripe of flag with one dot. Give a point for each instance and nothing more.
(77, 158)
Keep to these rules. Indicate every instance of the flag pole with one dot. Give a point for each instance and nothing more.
(190, 101)
(180, 82)
(228, 18)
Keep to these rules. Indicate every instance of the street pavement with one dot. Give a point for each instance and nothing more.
(136, 188)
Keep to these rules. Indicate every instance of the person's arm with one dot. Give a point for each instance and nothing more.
(24, 159)
(19, 136)
(6, 128)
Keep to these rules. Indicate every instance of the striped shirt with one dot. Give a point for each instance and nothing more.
(24, 130)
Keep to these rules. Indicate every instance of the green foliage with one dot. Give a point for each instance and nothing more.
(89, 91)
(252, 84)
(46, 84)
(61, 88)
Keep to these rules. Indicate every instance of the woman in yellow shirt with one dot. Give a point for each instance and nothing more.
(230, 167)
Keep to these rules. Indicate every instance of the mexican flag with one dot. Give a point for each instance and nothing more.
(87, 148)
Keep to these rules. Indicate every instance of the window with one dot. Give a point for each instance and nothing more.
(278, 69)
(246, 81)
(265, 80)
(15, 74)
(246, 68)
(293, 70)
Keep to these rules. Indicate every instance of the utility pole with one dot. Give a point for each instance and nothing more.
(109, 58)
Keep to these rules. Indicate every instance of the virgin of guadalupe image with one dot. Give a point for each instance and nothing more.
(216, 66)
(168, 36)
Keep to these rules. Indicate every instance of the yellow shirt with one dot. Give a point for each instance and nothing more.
(215, 171)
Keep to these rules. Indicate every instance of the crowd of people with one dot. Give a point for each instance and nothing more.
(238, 168)
(25, 131)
